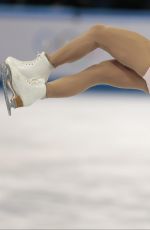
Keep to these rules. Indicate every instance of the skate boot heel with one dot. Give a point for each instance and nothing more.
(16, 102)
(24, 90)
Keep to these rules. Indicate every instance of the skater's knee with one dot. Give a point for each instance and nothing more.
(102, 65)
(96, 32)
(107, 63)
(97, 27)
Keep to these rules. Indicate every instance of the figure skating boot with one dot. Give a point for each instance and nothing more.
(40, 67)
(24, 91)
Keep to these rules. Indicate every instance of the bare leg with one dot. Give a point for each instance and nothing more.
(129, 48)
(108, 72)
(75, 49)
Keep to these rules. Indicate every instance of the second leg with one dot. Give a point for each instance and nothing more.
(109, 72)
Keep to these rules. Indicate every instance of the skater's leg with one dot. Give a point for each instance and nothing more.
(109, 72)
(129, 48)
(75, 49)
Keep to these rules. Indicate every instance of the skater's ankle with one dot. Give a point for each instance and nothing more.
(49, 58)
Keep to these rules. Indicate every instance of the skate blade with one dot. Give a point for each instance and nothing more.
(7, 86)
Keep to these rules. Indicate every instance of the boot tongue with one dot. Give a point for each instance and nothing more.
(44, 56)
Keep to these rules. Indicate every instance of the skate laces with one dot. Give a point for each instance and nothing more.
(38, 56)
(34, 82)
(33, 62)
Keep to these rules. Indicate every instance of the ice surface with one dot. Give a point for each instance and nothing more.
(80, 162)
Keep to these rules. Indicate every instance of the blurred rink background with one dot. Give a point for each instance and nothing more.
(81, 162)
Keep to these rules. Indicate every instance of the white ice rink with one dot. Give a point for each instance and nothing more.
(80, 162)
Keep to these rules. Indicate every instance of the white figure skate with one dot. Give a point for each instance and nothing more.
(23, 75)
(39, 67)
(24, 91)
